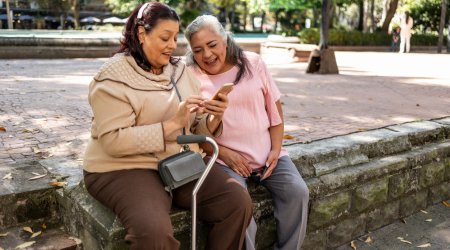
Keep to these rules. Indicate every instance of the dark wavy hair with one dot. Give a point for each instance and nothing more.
(153, 12)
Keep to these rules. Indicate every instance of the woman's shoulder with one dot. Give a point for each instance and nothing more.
(252, 57)
(112, 64)
(255, 60)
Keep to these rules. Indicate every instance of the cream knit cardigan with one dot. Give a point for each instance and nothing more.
(129, 106)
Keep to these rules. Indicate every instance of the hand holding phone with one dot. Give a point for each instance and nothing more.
(225, 89)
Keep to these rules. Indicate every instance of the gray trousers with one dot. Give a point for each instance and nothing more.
(290, 196)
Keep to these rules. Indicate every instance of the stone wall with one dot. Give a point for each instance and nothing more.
(363, 181)
(358, 182)
(79, 47)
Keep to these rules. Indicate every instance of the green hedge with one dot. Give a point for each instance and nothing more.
(357, 38)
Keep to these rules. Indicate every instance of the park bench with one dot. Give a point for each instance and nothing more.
(299, 52)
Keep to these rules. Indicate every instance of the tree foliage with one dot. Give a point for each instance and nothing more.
(427, 14)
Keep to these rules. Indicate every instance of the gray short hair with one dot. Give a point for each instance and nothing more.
(235, 55)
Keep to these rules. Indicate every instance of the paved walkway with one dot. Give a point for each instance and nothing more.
(44, 110)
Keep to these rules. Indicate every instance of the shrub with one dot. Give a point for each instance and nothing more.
(339, 37)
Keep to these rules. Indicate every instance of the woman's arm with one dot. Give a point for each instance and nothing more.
(232, 159)
(115, 122)
(276, 138)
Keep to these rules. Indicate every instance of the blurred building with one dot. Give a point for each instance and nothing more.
(40, 14)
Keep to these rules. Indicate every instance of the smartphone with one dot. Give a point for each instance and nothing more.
(225, 89)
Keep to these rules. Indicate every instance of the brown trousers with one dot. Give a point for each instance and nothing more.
(138, 198)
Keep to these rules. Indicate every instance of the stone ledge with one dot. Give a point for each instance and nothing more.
(379, 177)
(325, 156)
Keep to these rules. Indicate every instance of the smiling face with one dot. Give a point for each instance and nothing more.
(159, 44)
(209, 50)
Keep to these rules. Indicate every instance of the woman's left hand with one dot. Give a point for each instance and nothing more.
(216, 107)
(271, 163)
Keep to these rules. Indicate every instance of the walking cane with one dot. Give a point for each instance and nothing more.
(186, 139)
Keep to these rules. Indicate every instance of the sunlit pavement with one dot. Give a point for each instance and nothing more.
(44, 110)
(373, 90)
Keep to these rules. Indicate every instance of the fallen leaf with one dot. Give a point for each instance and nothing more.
(58, 183)
(368, 240)
(423, 211)
(352, 244)
(7, 177)
(3, 234)
(28, 229)
(361, 129)
(44, 226)
(36, 150)
(425, 245)
(37, 177)
(2, 129)
(446, 203)
(403, 240)
(25, 245)
(35, 234)
(288, 137)
(429, 220)
(77, 241)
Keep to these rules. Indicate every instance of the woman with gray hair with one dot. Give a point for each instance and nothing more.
(251, 140)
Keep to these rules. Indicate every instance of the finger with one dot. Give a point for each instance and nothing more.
(236, 170)
(214, 110)
(267, 174)
(216, 103)
(245, 171)
(196, 97)
(223, 97)
(197, 101)
(270, 169)
(194, 109)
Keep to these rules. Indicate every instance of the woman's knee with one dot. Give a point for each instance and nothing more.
(146, 234)
(300, 190)
(240, 200)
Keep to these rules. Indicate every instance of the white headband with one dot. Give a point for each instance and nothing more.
(141, 10)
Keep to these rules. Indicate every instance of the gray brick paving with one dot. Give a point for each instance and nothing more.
(44, 109)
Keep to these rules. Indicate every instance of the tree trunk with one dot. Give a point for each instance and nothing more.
(390, 11)
(75, 6)
(252, 17)
(372, 15)
(322, 60)
(245, 16)
(325, 24)
(9, 16)
(277, 12)
(361, 15)
(263, 17)
(441, 25)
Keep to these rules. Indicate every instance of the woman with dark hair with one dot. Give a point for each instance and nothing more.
(251, 142)
(137, 116)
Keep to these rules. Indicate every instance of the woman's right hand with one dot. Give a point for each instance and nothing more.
(235, 161)
(183, 114)
(186, 108)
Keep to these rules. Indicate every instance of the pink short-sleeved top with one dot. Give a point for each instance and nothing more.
(251, 110)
